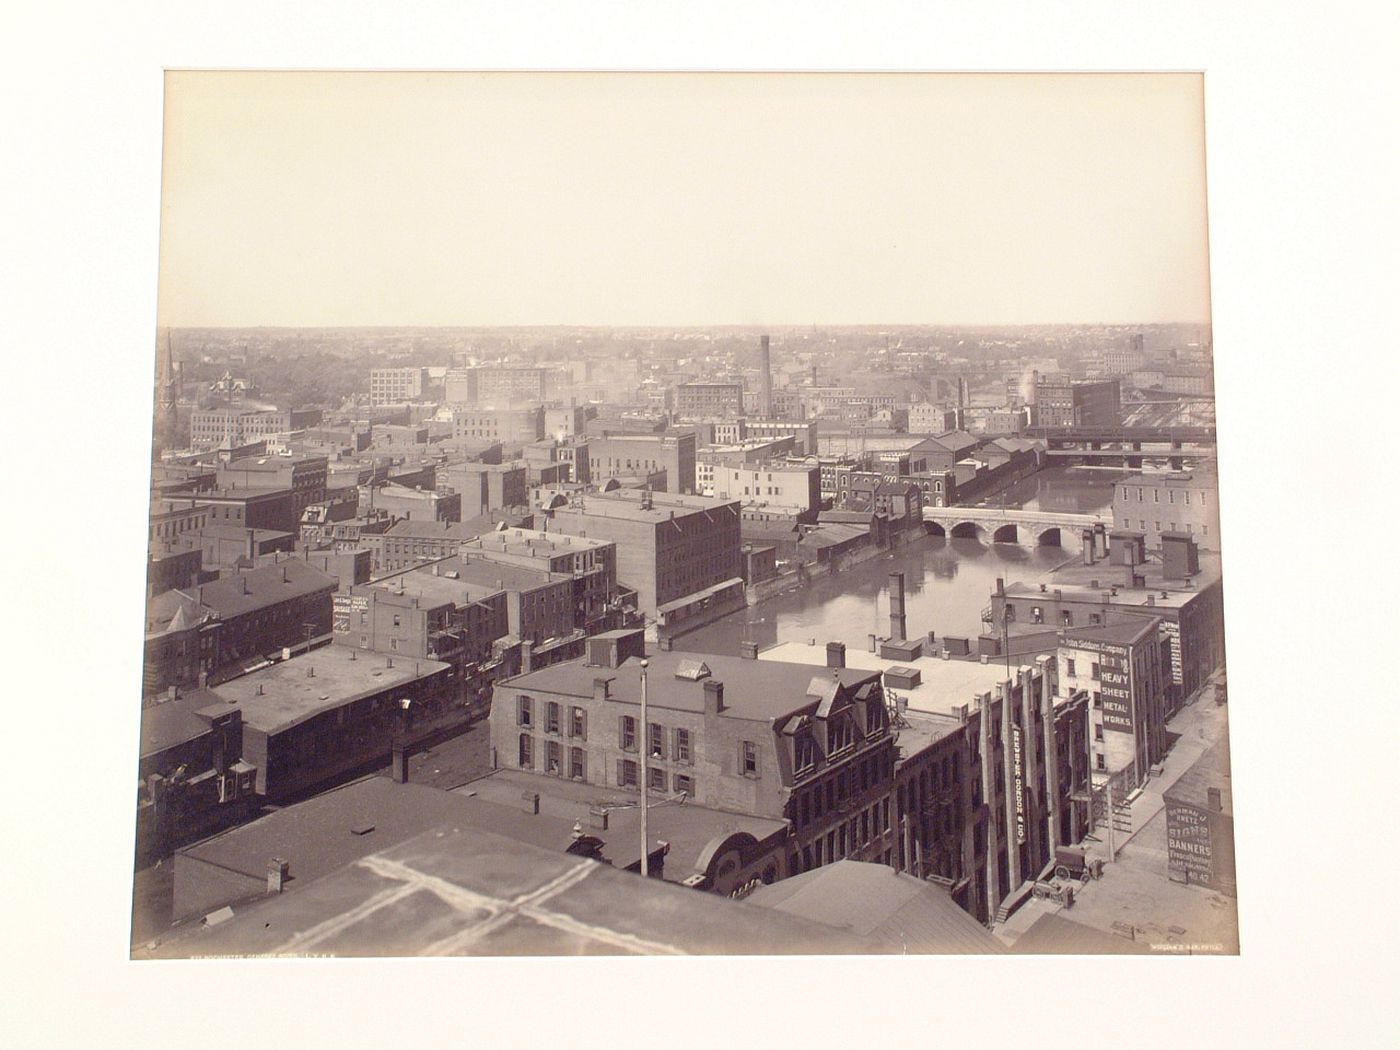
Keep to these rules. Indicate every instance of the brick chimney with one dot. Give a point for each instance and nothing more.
(600, 688)
(835, 654)
(277, 869)
(714, 697)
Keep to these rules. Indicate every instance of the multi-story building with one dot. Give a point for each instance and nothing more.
(539, 605)
(709, 400)
(1184, 379)
(681, 554)
(752, 737)
(413, 504)
(992, 768)
(504, 385)
(393, 386)
(1063, 402)
(409, 544)
(744, 452)
(304, 475)
(197, 633)
(790, 487)
(591, 562)
(275, 509)
(926, 418)
(484, 487)
(212, 427)
(1123, 669)
(510, 426)
(1180, 501)
(633, 455)
(1188, 600)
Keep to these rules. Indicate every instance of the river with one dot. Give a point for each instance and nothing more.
(947, 583)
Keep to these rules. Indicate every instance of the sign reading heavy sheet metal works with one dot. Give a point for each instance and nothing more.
(1115, 691)
(342, 606)
(1018, 782)
(1189, 848)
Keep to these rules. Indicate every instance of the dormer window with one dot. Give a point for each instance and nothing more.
(805, 753)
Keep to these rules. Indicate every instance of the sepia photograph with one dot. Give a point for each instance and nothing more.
(688, 525)
(683, 513)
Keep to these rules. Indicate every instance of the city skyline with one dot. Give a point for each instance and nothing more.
(571, 199)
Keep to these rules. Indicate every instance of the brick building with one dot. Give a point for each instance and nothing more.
(708, 400)
(631, 455)
(485, 487)
(1063, 402)
(1123, 669)
(204, 630)
(212, 427)
(510, 426)
(670, 548)
(751, 737)
(1180, 501)
(592, 563)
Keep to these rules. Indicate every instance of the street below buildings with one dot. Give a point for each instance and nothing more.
(1135, 893)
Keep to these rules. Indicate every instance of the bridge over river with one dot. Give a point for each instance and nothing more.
(1026, 527)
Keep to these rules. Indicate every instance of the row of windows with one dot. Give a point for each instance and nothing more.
(578, 717)
(1157, 526)
(826, 797)
(1171, 496)
(855, 833)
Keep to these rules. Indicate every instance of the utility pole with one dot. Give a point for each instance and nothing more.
(644, 747)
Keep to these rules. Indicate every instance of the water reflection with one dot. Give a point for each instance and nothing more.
(947, 582)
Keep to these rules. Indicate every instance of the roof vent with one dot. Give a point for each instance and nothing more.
(692, 670)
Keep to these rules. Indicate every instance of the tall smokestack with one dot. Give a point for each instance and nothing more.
(765, 380)
(897, 621)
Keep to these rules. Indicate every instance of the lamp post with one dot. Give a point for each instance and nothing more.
(645, 749)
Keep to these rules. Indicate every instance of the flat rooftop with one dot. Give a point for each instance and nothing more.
(921, 730)
(943, 685)
(290, 694)
(337, 827)
(460, 891)
(627, 504)
(687, 827)
(531, 543)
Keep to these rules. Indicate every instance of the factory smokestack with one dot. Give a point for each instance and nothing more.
(765, 380)
(897, 622)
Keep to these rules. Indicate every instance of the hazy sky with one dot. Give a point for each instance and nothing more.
(679, 199)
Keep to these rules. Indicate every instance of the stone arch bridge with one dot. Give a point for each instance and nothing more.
(1029, 528)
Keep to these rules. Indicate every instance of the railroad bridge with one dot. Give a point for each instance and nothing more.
(1026, 527)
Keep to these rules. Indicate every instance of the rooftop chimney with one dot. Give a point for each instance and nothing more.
(765, 380)
(714, 696)
(601, 688)
(277, 869)
(748, 650)
(897, 619)
(835, 654)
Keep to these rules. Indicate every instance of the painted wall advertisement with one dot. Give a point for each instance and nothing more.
(1018, 782)
(1189, 852)
(1115, 690)
(342, 607)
